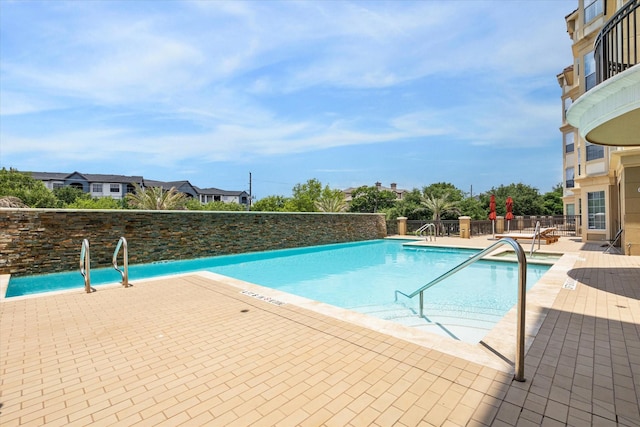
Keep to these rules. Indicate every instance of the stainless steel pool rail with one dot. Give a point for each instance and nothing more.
(122, 243)
(522, 289)
(85, 266)
(424, 231)
(536, 235)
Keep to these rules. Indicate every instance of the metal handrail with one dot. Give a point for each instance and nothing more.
(85, 266)
(616, 46)
(522, 288)
(125, 261)
(425, 228)
(536, 234)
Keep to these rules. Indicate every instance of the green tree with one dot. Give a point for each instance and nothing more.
(68, 195)
(218, 205)
(439, 205)
(440, 200)
(371, 199)
(526, 199)
(29, 190)
(304, 197)
(222, 206)
(270, 204)
(439, 189)
(552, 201)
(193, 204)
(407, 207)
(331, 201)
(95, 203)
(472, 207)
(156, 198)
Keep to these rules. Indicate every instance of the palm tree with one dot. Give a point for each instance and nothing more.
(438, 205)
(156, 198)
(331, 201)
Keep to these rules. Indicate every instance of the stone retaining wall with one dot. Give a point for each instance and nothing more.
(34, 241)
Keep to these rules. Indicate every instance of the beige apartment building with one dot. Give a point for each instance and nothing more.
(601, 122)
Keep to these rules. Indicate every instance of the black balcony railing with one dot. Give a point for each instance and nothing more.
(616, 47)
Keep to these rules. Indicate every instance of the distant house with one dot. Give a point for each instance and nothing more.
(207, 195)
(117, 186)
(97, 185)
(394, 188)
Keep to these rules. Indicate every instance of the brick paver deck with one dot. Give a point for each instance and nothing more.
(194, 350)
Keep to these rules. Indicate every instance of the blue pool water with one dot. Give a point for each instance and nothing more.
(359, 276)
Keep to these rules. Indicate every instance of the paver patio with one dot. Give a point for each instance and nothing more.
(195, 350)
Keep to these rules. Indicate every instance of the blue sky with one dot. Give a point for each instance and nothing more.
(349, 93)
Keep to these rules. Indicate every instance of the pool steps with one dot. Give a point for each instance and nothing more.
(443, 320)
(522, 288)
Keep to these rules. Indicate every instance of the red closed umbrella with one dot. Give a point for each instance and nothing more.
(509, 215)
(492, 214)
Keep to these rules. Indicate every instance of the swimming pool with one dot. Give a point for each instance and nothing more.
(358, 276)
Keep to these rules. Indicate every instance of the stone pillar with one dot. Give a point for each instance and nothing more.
(499, 225)
(402, 225)
(465, 227)
(519, 223)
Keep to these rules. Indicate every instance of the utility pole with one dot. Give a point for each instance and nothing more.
(250, 195)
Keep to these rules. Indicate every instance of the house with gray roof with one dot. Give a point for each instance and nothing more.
(117, 186)
(97, 185)
(207, 195)
(399, 192)
(181, 186)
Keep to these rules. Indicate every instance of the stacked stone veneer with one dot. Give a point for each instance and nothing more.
(34, 241)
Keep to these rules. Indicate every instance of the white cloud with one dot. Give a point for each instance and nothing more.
(176, 82)
(137, 56)
(16, 103)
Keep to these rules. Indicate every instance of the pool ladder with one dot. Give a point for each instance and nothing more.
(85, 263)
(428, 231)
(85, 266)
(122, 243)
(522, 289)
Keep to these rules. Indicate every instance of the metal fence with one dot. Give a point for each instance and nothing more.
(481, 227)
(443, 227)
(565, 225)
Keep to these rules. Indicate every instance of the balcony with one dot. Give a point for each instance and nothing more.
(616, 47)
(609, 113)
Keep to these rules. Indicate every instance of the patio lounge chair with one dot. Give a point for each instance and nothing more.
(611, 243)
(546, 234)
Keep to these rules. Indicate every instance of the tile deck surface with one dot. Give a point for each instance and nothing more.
(194, 350)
